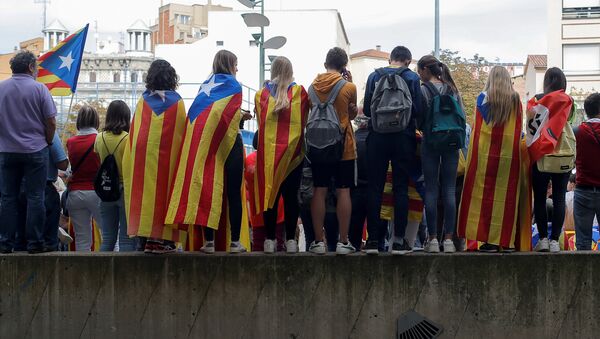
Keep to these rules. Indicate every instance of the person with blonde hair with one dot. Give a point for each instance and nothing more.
(282, 108)
(490, 204)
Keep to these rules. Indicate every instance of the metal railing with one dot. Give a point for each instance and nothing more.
(581, 13)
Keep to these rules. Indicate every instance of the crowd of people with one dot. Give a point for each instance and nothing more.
(400, 170)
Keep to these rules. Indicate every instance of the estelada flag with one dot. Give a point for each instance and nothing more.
(212, 128)
(280, 141)
(256, 217)
(490, 200)
(59, 68)
(149, 162)
(546, 119)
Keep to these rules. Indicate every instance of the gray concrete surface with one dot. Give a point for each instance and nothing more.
(256, 296)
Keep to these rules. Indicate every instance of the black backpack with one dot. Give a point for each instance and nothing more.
(107, 183)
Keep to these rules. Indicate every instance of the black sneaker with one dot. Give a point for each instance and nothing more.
(489, 248)
(36, 250)
(401, 248)
(371, 248)
(5, 250)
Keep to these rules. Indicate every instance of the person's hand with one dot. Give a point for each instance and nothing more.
(347, 75)
(246, 115)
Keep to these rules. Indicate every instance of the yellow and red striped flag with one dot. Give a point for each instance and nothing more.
(96, 236)
(149, 163)
(490, 200)
(212, 127)
(59, 67)
(280, 141)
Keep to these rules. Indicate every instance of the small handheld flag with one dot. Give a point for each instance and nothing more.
(59, 68)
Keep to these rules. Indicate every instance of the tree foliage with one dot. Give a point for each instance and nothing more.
(468, 76)
(70, 127)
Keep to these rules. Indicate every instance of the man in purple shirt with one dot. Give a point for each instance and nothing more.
(27, 126)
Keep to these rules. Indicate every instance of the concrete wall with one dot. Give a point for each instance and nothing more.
(254, 296)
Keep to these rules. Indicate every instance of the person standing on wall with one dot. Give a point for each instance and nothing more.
(392, 138)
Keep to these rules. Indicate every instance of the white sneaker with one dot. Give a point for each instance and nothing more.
(344, 249)
(270, 246)
(291, 246)
(449, 246)
(209, 247)
(317, 248)
(235, 248)
(433, 246)
(64, 237)
(542, 245)
(554, 246)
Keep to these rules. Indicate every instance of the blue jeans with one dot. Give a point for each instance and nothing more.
(114, 223)
(439, 167)
(586, 206)
(14, 168)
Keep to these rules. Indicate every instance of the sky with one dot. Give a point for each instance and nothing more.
(505, 30)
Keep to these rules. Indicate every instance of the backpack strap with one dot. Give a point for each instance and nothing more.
(335, 91)
(313, 96)
(119, 144)
(85, 155)
(431, 88)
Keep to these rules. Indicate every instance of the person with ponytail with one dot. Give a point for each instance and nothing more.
(439, 165)
(282, 108)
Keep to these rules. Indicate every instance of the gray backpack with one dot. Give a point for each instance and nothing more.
(391, 105)
(324, 136)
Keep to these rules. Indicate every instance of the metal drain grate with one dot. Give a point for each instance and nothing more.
(412, 325)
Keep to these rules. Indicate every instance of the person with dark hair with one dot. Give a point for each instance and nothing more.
(213, 140)
(112, 141)
(586, 204)
(398, 147)
(439, 166)
(28, 125)
(344, 171)
(548, 111)
(82, 202)
(150, 153)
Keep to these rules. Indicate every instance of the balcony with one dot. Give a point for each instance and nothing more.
(581, 13)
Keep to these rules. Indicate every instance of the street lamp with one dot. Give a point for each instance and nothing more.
(437, 29)
(260, 20)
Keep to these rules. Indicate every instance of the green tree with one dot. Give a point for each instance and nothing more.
(70, 126)
(469, 77)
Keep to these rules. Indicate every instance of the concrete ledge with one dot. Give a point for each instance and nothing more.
(256, 296)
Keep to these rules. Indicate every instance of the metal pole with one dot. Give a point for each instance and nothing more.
(437, 29)
(261, 57)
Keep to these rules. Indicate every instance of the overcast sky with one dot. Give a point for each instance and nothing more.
(508, 29)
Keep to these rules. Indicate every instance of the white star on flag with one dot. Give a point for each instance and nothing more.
(67, 61)
(162, 95)
(208, 87)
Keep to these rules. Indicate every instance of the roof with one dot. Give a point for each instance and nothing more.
(138, 25)
(371, 53)
(537, 60)
(56, 25)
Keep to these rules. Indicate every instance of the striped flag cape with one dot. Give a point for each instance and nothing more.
(546, 119)
(212, 127)
(59, 68)
(149, 161)
(490, 200)
(256, 217)
(280, 141)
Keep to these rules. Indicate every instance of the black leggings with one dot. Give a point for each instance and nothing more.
(540, 182)
(234, 170)
(289, 191)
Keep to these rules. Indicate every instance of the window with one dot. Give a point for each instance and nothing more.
(181, 35)
(581, 59)
(581, 9)
(117, 77)
(184, 19)
(92, 76)
(134, 78)
(144, 76)
(220, 43)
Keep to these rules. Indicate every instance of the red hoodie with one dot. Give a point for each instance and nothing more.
(588, 154)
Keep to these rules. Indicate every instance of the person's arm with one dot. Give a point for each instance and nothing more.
(418, 105)
(369, 95)
(50, 129)
(352, 107)
(63, 165)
